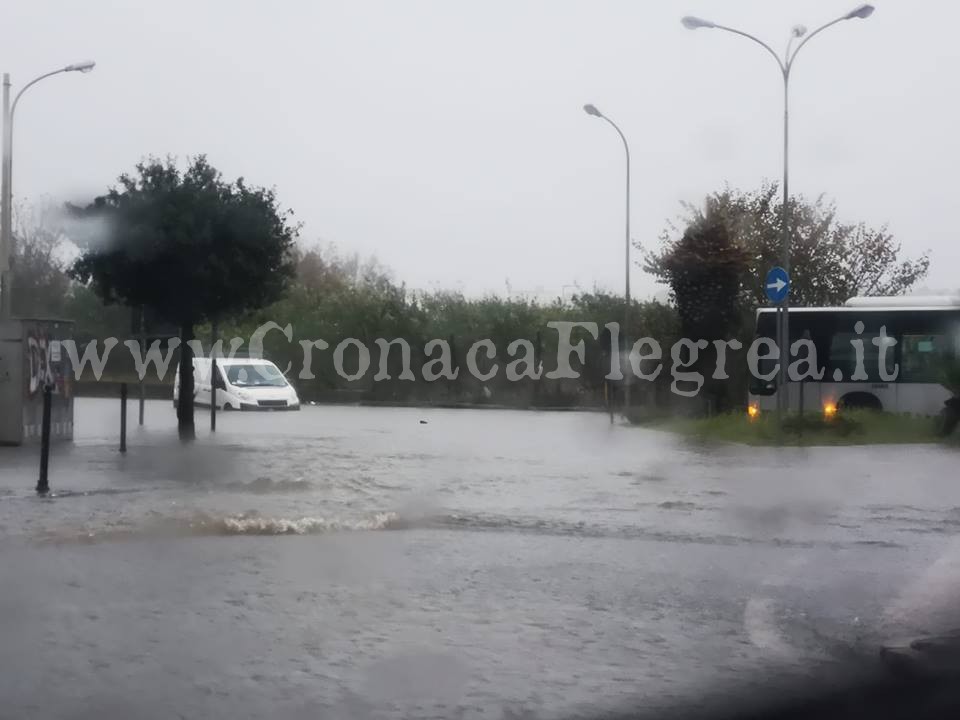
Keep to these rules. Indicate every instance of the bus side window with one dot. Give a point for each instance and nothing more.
(843, 356)
(921, 357)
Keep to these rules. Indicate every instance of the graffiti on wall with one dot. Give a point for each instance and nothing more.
(43, 363)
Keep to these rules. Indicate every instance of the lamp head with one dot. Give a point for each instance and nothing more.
(592, 110)
(691, 22)
(84, 66)
(861, 11)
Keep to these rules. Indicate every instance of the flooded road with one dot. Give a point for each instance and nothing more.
(379, 562)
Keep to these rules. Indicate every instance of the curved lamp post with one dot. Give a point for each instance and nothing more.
(6, 178)
(592, 110)
(785, 64)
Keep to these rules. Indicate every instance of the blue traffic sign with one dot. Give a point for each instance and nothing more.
(777, 285)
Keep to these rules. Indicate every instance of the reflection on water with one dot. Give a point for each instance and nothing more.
(546, 561)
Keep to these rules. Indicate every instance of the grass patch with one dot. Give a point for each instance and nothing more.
(853, 427)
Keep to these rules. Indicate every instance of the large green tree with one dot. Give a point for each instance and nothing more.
(190, 246)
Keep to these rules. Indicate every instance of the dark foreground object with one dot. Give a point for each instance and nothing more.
(43, 485)
(937, 656)
(881, 697)
(123, 418)
(950, 417)
(884, 698)
(913, 680)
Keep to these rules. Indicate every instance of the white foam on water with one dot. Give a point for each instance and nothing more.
(930, 599)
(760, 623)
(259, 525)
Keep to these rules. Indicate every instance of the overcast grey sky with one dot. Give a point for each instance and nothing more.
(448, 139)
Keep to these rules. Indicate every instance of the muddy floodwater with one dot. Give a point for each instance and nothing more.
(345, 562)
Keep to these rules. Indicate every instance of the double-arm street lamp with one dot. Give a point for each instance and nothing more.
(786, 64)
(6, 179)
(592, 110)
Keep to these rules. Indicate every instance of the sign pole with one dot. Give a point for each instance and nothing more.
(777, 288)
(779, 333)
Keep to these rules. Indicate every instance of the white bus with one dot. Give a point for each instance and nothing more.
(926, 331)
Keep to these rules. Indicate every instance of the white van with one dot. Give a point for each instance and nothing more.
(242, 384)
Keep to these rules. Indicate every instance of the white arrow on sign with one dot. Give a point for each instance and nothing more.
(778, 285)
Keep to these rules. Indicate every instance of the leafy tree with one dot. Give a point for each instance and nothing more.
(830, 261)
(735, 238)
(705, 268)
(188, 245)
(43, 287)
(334, 297)
(39, 262)
(92, 318)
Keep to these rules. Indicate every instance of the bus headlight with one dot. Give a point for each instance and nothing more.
(829, 410)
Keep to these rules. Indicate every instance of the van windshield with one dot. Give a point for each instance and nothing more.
(250, 375)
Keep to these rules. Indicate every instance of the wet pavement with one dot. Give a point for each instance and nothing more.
(356, 562)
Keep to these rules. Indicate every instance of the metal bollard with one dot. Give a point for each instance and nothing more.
(142, 398)
(123, 417)
(213, 376)
(143, 350)
(213, 395)
(43, 486)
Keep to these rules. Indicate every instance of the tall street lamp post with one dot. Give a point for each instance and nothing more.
(592, 110)
(786, 64)
(6, 180)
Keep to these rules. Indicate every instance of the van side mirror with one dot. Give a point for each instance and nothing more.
(218, 381)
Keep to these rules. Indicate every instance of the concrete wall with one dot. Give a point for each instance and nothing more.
(11, 383)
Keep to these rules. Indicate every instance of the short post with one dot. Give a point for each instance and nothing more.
(606, 398)
(143, 351)
(538, 362)
(801, 402)
(213, 377)
(213, 395)
(453, 386)
(123, 417)
(806, 336)
(43, 486)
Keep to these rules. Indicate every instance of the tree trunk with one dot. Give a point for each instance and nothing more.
(185, 404)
